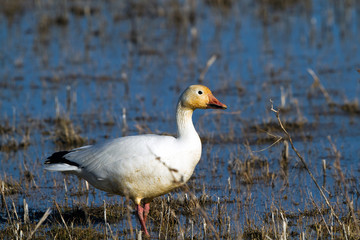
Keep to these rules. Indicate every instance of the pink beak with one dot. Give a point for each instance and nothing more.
(214, 103)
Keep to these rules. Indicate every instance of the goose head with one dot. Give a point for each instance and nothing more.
(199, 96)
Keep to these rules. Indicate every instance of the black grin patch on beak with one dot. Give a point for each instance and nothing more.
(215, 106)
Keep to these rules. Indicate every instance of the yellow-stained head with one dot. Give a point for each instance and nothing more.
(199, 96)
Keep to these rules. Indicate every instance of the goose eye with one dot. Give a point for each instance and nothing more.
(200, 92)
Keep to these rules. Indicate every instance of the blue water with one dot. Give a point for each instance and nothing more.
(122, 58)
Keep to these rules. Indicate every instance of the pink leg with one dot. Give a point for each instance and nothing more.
(140, 213)
(146, 210)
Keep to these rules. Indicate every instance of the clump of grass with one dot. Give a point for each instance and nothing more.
(17, 227)
(224, 4)
(46, 22)
(252, 170)
(167, 214)
(280, 4)
(351, 107)
(46, 231)
(44, 227)
(13, 145)
(14, 138)
(12, 8)
(274, 127)
(252, 233)
(5, 128)
(65, 134)
(81, 10)
(10, 187)
(84, 214)
(59, 232)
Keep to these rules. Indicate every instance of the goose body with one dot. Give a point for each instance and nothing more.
(142, 167)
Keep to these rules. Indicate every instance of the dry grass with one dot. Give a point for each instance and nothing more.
(65, 134)
(195, 213)
(254, 200)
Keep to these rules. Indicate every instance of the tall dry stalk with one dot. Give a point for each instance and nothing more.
(277, 112)
(43, 218)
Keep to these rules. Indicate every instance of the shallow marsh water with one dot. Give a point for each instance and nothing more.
(117, 68)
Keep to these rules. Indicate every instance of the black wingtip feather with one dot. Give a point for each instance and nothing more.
(59, 157)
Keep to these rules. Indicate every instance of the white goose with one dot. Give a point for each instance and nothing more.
(142, 167)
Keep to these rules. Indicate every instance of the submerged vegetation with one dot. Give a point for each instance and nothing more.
(282, 163)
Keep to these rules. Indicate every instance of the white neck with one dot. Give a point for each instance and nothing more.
(188, 140)
(185, 125)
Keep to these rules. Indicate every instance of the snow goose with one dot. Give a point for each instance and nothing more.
(142, 167)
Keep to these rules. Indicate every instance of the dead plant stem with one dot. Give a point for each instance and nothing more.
(128, 216)
(321, 214)
(320, 86)
(63, 220)
(342, 178)
(210, 62)
(202, 212)
(4, 202)
(307, 169)
(43, 218)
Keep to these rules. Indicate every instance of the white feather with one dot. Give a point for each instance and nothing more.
(143, 166)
